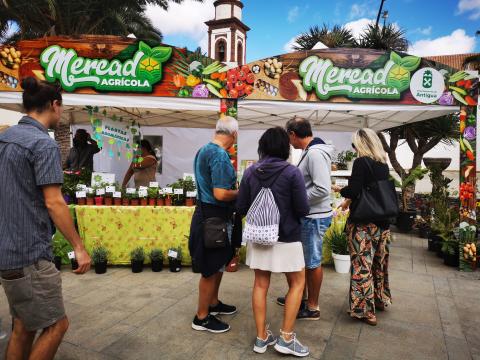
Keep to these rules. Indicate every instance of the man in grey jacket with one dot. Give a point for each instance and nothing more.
(315, 165)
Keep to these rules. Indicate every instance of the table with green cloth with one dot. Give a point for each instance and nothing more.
(120, 229)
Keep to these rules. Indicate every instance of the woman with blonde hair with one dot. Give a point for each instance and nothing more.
(368, 241)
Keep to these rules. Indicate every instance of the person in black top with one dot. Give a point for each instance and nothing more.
(368, 242)
(81, 154)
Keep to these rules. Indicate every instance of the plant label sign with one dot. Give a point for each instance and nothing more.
(168, 190)
(115, 131)
(81, 187)
(341, 182)
(160, 191)
(131, 191)
(100, 192)
(117, 194)
(110, 189)
(191, 194)
(142, 193)
(99, 178)
(142, 188)
(178, 191)
(172, 254)
(81, 194)
(153, 184)
(137, 74)
(71, 255)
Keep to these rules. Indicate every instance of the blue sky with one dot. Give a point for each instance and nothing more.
(431, 29)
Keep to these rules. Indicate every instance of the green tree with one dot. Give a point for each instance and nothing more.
(38, 18)
(388, 37)
(421, 137)
(336, 37)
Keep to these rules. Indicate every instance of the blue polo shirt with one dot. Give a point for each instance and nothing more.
(29, 159)
(213, 169)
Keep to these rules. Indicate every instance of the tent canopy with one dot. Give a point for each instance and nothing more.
(252, 114)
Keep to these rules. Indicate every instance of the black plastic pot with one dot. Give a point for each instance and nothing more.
(405, 220)
(101, 268)
(137, 266)
(174, 265)
(74, 264)
(57, 260)
(451, 259)
(424, 232)
(157, 266)
(434, 242)
(431, 244)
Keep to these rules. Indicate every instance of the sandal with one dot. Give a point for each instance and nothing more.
(370, 320)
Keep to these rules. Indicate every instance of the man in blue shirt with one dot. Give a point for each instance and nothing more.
(216, 188)
(30, 195)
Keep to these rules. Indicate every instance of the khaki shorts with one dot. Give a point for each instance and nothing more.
(34, 294)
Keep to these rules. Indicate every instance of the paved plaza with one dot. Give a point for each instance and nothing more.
(120, 315)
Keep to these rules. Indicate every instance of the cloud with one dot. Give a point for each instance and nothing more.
(293, 14)
(288, 47)
(458, 42)
(358, 26)
(361, 10)
(423, 31)
(470, 6)
(186, 19)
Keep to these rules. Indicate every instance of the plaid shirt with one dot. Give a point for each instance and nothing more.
(29, 159)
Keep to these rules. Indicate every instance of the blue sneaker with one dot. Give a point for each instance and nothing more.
(292, 347)
(262, 345)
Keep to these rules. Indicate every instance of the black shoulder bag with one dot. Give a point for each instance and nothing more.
(215, 231)
(376, 202)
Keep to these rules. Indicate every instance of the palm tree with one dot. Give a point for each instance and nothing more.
(37, 18)
(338, 36)
(388, 37)
(473, 61)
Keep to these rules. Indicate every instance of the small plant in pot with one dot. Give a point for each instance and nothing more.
(125, 198)
(60, 248)
(189, 188)
(168, 200)
(108, 199)
(340, 253)
(175, 259)
(349, 156)
(100, 259)
(156, 257)
(152, 193)
(137, 258)
(406, 216)
(90, 197)
(134, 199)
(451, 251)
(143, 199)
(161, 199)
(99, 195)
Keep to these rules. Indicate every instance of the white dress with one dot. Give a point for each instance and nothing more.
(279, 258)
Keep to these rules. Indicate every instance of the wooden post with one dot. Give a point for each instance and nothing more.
(468, 180)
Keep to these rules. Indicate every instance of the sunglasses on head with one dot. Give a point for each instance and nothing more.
(353, 146)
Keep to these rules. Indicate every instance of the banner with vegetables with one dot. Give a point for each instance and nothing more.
(113, 65)
(468, 187)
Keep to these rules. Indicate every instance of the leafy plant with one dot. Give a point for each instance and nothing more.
(138, 254)
(156, 255)
(337, 36)
(152, 193)
(61, 247)
(335, 238)
(416, 174)
(99, 255)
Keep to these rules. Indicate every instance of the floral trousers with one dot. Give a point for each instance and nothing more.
(369, 252)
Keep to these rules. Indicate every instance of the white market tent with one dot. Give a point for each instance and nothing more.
(252, 114)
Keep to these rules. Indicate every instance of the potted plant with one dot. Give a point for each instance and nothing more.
(81, 201)
(423, 227)
(178, 193)
(444, 222)
(152, 193)
(100, 259)
(60, 248)
(90, 197)
(349, 156)
(340, 163)
(99, 195)
(108, 199)
(137, 258)
(406, 216)
(125, 198)
(175, 262)
(340, 253)
(451, 251)
(168, 200)
(189, 188)
(161, 200)
(134, 199)
(156, 257)
(143, 199)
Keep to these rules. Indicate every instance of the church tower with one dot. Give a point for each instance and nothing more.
(227, 34)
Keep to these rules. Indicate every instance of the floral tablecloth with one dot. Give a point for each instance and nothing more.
(120, 229)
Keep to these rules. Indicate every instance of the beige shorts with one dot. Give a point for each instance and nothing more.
(34, 294)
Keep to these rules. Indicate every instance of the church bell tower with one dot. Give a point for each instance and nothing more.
(227, 34)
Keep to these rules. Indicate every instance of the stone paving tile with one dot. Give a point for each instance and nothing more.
(121, 315)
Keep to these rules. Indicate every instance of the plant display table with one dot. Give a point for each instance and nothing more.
(120, 229)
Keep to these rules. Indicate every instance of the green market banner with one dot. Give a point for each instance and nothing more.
(119, 66)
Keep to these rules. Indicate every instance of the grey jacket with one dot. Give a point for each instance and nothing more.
(316, 166)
